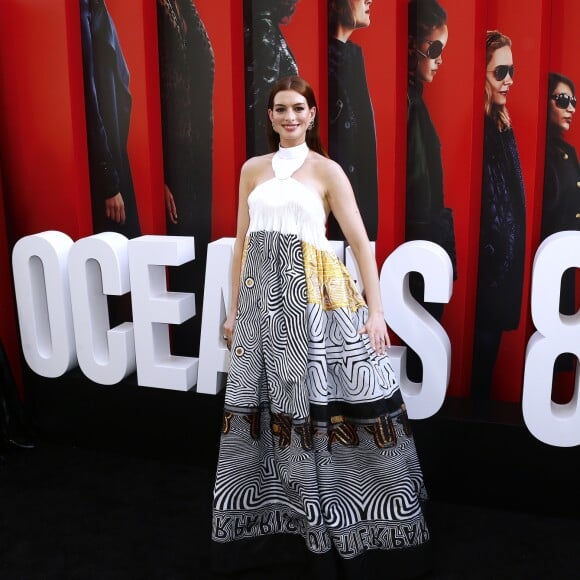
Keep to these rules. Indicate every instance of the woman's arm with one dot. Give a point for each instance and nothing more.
(246, 185)
(342, 203)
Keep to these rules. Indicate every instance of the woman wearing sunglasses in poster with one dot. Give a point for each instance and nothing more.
(561, 206)
(427, 218)
(502, 222)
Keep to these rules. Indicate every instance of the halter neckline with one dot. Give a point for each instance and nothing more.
(292, 152)
(287, 160)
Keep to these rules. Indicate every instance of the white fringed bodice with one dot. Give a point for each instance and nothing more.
(286, 205)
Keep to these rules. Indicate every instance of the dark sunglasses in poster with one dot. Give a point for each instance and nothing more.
(564, 100)
(434, 51)
(501, 72)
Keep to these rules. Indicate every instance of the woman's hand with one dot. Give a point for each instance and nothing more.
(229, 325)
(376, 328)
(115, 208)
(170, 206)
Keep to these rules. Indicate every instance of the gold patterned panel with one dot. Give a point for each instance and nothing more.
(328, 281)
(244, 253)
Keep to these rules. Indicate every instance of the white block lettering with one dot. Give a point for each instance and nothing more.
(40, 269)
(415, 325)
(552, 423)
(154, 308)
(99, 266)
(214, 357)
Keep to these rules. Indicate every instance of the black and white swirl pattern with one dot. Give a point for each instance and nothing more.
(307, 371)
(355, 498)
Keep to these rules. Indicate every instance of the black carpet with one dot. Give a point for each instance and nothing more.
(76, 513)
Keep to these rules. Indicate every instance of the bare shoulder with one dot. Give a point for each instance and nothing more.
(254, 169)
(256, 164)
(328, 169)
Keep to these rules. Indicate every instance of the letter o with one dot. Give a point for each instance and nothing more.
(40, 267)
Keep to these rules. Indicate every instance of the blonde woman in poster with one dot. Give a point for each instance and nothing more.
(502, 221)
(561, 204)
(186, 74)
(268, 58)
(351, 121)
(427, 218)
(316, 448)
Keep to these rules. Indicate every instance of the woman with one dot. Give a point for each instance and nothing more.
(503, 220)
(268, 58)
(186, 74)
(561, 207)
(316, 440)
(108, 105)
(427, 218)
(351, 127)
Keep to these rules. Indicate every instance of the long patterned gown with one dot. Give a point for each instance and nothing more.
(315, 438)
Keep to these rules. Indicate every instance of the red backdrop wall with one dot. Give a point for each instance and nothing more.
(43, 137)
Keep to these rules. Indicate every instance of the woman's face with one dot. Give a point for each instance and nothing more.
(361, 13)
(501, 60)
(290, 117)
(427, 67)
(561, 119)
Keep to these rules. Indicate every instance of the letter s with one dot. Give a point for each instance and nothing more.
(415, 325)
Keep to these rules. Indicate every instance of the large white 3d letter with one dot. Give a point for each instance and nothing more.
(214, 357)
(415, 325)
(39, 263)
(154, 309)
(557, 333)
(99, 265)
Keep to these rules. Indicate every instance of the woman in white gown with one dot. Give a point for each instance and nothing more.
(315, 440)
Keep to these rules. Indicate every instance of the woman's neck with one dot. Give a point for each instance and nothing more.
(291, 151)
(288, 144)
(343, 33)
(556, 132)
